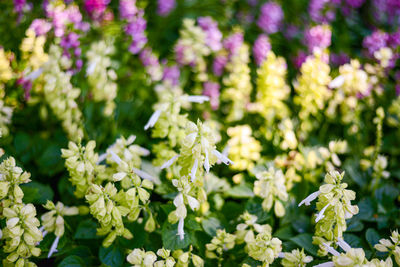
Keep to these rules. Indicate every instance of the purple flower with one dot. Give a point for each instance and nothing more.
(375, 41)
(270, 18)
(322, 11)
(165, 7)
(339, 59)
(233, 42)
(318, 37)
(261, 48)
(171, 74)
(96, 8)
(127, 9)
(219, 65)
(40, 26)
(394, 39)
(211, 89)
(20, 7)
(299, 59)
(355, 3)
(213, 34)
(136, 29)
(151, 63)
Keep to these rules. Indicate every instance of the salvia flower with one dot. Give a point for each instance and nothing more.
(164, 7)
(392, 246)
(213, 34)
(81, 165)
(152, 65)
(244, 149)
(375, 41)
(198, 150)
(105, 208)
(263, 247)
(270, 18)
(53, 221)
(334, 205)
(272, 90)
(60, 94)
(318, 37)
(127, 9)
(223, 241)
(11, 176)
(237, 82)
(21, 234)
(261, 48)
(96, 8)
(270, 186)
(136, 30)
(211, 89)
(296, 258)
(101, 76)
(312, 89)
(322, 11)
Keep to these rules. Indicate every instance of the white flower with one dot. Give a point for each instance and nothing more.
(169, 162)
(181, 233)
(53, 247)
(193, 203)
(193, 171)
(331, 250)
(321, 213)
(222, 157)
(337, 82)
(198, 98)
(343, 244)
(310, 198)
(153, 119)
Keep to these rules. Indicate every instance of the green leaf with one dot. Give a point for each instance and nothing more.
(354, 225)
(353, 240)
(72, 261)
(305, 241)
(86, 230)
(240, 191)
(372, 237)
(284, 233)
(172, 241)
(37, 193)
(211, 225)
(111, 256)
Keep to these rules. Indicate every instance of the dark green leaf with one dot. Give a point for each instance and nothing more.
(111, 256)
(72, 261)
(372, 237)
(211, 225)
(305, 241)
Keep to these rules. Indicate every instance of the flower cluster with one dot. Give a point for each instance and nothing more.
(270, 186)
(101, 76)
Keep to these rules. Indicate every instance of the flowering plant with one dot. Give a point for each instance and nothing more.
(162, 133)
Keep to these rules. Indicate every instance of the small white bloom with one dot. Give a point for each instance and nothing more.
(198, 98)
(181, 233)
(193, 171)
(331, 250)
(169, 162)
(206, 162)
(153, 119)
(222, 157)
(321, 213)
(281, 255)
(337, 82)
(34, 74)
(178, 200)
(119, 176)
(193, 203)
(115, 157)
(53, 248)
(343, 244)
(101, 158)
(144, 175)
(310, 198)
